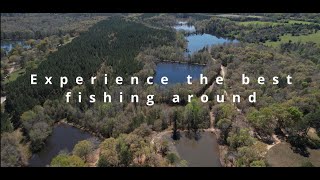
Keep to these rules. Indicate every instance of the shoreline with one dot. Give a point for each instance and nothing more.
(182, 62)
(222, 149)
(98, 135)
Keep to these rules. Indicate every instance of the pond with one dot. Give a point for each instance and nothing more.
(177, 72)
(9, 45)
(183, 26)
(64, 137)
(197, 42)
(202, 151)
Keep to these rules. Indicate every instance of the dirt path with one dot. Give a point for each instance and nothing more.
(223, 74)
(276, 141)
(94, 158)
(223, 71)
(210, 89)
(212, 118)
(3, 99)
(11, 70)
(212, 85)
(158, 136)
(228, 98)
(212, 128)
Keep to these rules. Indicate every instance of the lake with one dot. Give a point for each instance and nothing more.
(64, 137)
(197, 42)
(9, 45)
(177, 72)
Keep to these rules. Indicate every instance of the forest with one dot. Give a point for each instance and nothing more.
(290, 110)
(91, 51)
(17, 26)
(133, 134)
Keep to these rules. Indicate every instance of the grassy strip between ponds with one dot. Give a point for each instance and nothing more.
(315, 37)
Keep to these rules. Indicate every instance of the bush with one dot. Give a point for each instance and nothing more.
(258, 164)
(307, 164)
(64, 160)
(240, 138)
(172, 158)
(83, 149)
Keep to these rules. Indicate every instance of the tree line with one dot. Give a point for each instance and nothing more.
(253, 34)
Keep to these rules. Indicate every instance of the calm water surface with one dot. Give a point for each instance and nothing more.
(202, 151)
(177, 73)
(185, 27)
(197, 42)
(63, 138)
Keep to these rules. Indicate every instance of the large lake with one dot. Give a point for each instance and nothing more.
(176, 72)
(197, 42)
(64, 137)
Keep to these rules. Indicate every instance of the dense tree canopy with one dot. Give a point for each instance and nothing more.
(83, 57)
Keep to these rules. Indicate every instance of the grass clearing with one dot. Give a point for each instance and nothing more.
(13, 76)
(315, 37)
(281, 155)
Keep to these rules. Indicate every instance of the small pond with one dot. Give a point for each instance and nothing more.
(64, 137)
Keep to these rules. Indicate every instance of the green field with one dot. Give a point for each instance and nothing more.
(13, 76)
(303, 38)
(259, 23)
(298, 22)
(266, 23)
(281, 155)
